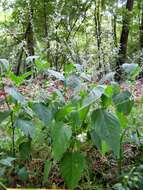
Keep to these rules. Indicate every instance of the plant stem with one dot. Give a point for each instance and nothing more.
(11, 117)
(121, 152)
(3, 186)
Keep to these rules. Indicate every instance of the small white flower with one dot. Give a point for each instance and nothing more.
(82, 137)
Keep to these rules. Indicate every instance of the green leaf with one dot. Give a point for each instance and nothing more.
(61, 136)
(26, 126)
(25, 150)
(96, 139)
(100, 144)
(4, 64)
(4, 115)
(112, 89)
(123, 120)
(107, 127)
(74, 119)
(69, 68)
(43, 112)
(105, 148)
(73, 81)
(71, 167)
(18, 80)
(94, 95)
(123, 102)
(130, 68)
(109, 76)
(105, 101)
(56, 74)
(47, 169)
(42, 64)
(16, 95)
(60, 115)
(23, 174)
(7, 162)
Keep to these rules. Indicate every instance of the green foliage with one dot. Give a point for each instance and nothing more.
(7, 161)
(69, 45)
(43, 113)
(72, 166)
(123, 102)
(47, 169)
(25, 150)
(4, 115)
(16, 95)
(107, 127)
(23, 174)
(96, 117)
(27, 127)
(61, 136)
(41, 65)
(132, 70)
(18, 80)
(131, 180)
(4, 65)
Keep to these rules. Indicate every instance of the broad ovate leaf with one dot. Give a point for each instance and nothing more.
(73, 81)
(72, 167)
(63, 112)
(43, 112)
(131, 69)
(61, 135)
(23, 174)
(27, 127)
(16, 95)
(56, 75)
(94, 95)
(7, 161)
(123, 102)
(25, 150)
(47, 168)
(107, 128)
(4, 115)
(96, 139)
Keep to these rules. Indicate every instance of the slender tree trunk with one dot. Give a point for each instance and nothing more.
(30, 39)
(125, 33)
(141, 35)
(30, 36)
(114, 26)
(46, 28)
(19, 62)
(122, 55)
(30, 47)
(97, 21)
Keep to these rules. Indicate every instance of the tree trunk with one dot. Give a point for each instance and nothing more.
(122, 55)
(46, 28)
(114, 26)
(30, 37)
(97, 21)
(19, 62)
(141, 41)
(141, 35)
